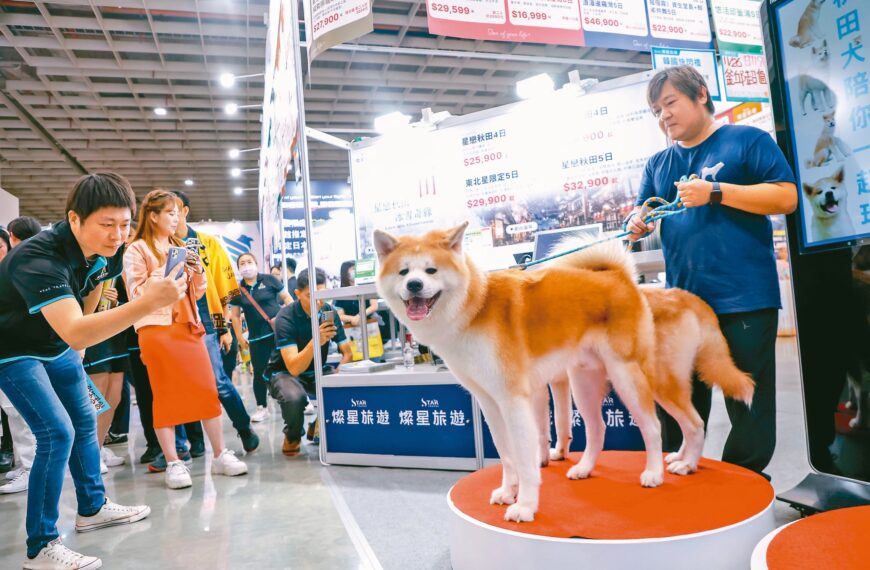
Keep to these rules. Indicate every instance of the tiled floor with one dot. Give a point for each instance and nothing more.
(296, 513)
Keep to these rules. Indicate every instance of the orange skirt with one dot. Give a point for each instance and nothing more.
(180, 373)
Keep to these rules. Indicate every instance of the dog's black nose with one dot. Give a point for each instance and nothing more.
(415, 285)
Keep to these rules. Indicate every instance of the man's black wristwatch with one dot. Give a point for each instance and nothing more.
(716, 194)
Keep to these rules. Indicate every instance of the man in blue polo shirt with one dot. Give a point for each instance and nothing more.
(721, 247)
(290, 371)
(49, 288)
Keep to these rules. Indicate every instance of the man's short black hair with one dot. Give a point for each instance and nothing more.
(4, 237)
(24, 227)
(291, 264)
(302, 281)
(685, 79)
(100, 190)
(185, 201)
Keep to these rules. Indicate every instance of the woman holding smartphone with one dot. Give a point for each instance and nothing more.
(171, 343)
(261, 299)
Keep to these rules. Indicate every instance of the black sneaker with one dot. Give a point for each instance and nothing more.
(150, 455)
(197, 448)
(115, 438)
(250, 440)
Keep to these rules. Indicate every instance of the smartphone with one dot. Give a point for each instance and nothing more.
(192, 245)
(176, 258)
(327, 317)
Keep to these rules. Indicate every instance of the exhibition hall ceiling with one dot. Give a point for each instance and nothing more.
(82, 83)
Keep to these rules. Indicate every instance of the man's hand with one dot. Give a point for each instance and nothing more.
(243, 343)
(638, 227)
(695, 192)
(161, 292)
(327, 332)
(226, 341)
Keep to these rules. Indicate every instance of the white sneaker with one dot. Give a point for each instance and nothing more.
(228, 464)
(56, 556)
(17, 484)
(103, 467)
(177, 475)
(10, 475)
(110, 515)
(110, 459)
(260, 415)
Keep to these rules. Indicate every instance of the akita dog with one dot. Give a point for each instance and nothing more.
(688, 339)
(507, 334)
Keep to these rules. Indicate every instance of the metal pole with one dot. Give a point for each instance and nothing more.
(306, 200)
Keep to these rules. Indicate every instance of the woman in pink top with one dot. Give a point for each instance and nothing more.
(171, 343)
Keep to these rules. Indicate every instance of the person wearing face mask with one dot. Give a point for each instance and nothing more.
(261, 299)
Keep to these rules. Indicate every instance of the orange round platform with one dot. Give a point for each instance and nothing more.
(710, 519)
(827, 541)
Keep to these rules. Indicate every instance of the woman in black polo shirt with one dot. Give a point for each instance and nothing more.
(261, 298)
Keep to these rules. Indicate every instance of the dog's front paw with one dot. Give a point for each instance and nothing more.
(651, 478)
(671, 457)
(681, 468)
(519, 513)
(503, 496)
(580, 471)
(557, 454)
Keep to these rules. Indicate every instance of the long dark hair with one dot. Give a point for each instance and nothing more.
(345, 273)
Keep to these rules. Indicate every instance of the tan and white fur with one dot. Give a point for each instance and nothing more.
(808, 29)
(688, 339)
(827, 198)
(829, 146)
(506, 334)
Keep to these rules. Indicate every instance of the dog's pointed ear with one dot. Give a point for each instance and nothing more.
(839, 175)
(385, 243)
(455, 237)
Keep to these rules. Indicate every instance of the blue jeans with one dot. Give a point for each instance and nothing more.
(52, 397)
(227, 393)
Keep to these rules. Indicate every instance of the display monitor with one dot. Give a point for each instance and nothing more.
(548, 242)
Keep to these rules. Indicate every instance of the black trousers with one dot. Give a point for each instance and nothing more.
(291, 393)
(144, 398)
(752, 339)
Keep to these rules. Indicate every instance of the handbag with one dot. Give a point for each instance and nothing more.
(259, 308)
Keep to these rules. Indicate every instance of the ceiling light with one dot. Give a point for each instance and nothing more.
(236, 172)
(237, 190)
(160, 111)
(391, 121)
(234, 153)
(535, 86)
(188, 182)
(227, 79)
(231, 108)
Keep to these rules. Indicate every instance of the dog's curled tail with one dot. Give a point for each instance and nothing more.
(606, 256)
(716, 368)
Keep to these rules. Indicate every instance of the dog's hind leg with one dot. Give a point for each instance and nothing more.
(506, 494)
(541, 402)
(520, 417)
(634, 390)
(562, 417)
(589, 386)
(680, 407)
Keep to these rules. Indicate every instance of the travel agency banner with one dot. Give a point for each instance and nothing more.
(558, 162)
(280, 115)
(332, 215)
(624, 24)
(826, 65)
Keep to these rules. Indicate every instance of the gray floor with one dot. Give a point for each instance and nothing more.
(296, 513)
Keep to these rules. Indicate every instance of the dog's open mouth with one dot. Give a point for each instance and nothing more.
(419, 308)
(831, 206)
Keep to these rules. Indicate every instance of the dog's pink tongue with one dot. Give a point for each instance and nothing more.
(418, 309)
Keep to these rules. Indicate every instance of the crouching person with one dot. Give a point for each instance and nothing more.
(290, 371)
